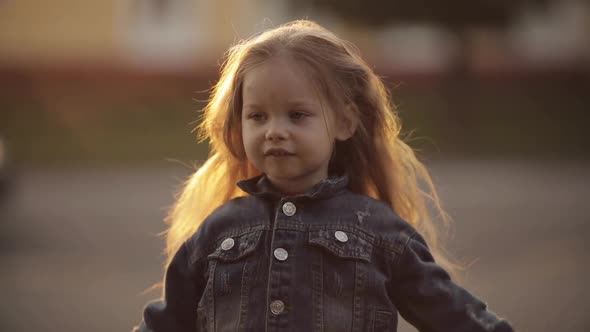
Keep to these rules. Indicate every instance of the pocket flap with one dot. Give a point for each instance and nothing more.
(232, 248)
(351, 245)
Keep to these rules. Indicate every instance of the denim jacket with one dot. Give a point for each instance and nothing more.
(326, 260)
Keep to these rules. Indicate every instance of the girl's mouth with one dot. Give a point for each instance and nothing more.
(275, 152)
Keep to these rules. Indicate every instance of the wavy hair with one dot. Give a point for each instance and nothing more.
(381, 165)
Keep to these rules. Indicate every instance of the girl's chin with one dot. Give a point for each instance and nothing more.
(282, 170)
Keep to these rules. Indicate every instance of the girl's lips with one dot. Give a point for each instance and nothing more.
(275, 152)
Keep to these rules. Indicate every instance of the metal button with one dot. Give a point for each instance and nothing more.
(341, 236)
(289, 209)
(277, 306)
(227, 244)
(281, 254)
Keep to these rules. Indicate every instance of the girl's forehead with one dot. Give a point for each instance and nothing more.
(280, 78)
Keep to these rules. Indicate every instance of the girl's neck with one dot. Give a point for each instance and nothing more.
(292, 188)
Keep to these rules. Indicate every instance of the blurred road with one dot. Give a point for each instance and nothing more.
(78, 246)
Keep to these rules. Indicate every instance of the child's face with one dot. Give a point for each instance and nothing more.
(287, 127)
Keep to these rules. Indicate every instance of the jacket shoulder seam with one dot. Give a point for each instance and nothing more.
(404, 245)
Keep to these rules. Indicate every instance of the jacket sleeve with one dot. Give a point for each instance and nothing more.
(429, 300)
(176, 312)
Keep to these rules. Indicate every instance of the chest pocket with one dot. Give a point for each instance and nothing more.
(341, 264)
(232, 272)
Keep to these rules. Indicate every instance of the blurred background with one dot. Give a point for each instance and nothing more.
(98, 100)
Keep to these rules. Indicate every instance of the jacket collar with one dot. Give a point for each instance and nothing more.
(261, 186)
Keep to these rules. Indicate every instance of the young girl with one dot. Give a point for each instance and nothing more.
(326, 228)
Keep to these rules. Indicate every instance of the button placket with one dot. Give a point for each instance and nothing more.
(278, 268)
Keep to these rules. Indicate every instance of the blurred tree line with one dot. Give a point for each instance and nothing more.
(454, 14)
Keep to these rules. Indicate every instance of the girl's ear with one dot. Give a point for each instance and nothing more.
(346, 123)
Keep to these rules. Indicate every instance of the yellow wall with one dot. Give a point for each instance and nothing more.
(74, 31)
(62, 30)
(57, 29)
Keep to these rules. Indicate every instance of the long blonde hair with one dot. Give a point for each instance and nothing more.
(381, 165)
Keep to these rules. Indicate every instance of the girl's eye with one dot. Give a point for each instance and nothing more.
(256, 116)
(296, 115)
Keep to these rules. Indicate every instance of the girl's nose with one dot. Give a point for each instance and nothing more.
(276, 131)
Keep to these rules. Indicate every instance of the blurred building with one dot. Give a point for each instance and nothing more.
(176, 34)
(152, 33)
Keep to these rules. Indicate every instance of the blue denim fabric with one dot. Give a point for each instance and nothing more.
(358, 281)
